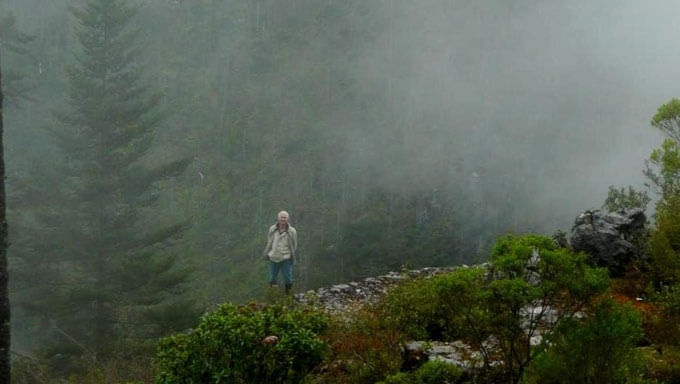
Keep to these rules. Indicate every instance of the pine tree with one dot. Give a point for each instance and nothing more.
(115, 272)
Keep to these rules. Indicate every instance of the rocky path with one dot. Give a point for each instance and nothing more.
(341, 298)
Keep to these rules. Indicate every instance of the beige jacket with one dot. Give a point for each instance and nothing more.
(271, 243)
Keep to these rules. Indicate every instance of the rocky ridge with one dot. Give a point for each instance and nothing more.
(341, 298)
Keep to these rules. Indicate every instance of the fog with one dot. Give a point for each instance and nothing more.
(555, 95)
(458, 120)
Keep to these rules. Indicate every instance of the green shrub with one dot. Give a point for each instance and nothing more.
(662, 363)
(475, 303)
(413, 308)
(663, 171)
(434, 308)
(437, 372)
(663, 324)
(664, 258)
(619, 199)
(597, 349)
(432, 372)
(400, 378)
(228, 347)
(364, 349)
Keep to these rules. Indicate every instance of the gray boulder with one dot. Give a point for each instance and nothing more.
(609, 237)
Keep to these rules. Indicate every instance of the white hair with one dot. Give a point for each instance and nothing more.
(283, 213)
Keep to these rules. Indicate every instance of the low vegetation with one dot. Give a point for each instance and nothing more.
(538, 313)
(245, 344)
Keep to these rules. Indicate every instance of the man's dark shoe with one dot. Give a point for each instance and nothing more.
(288, 288)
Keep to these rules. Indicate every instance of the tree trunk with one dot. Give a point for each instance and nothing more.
(4, 297)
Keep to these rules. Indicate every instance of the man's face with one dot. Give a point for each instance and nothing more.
(283, 219)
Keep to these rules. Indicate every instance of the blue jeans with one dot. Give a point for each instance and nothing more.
(286, 266)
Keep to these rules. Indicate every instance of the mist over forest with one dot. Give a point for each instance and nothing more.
(396, 133)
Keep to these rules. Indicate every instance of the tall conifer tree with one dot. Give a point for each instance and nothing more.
(110, 246)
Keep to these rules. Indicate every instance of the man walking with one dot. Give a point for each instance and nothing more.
(280, 250)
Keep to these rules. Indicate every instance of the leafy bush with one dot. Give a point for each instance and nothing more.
(413, 308)
(619, 199)
(669, 302)
(663, 171)
(662, 364)
(399, 378)
(663, 324)
(597, 349)
(229, 346)
(432, 372)
(432, 308)
(364, 349)
(476, 304)
(437, 372)
(664, 243)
